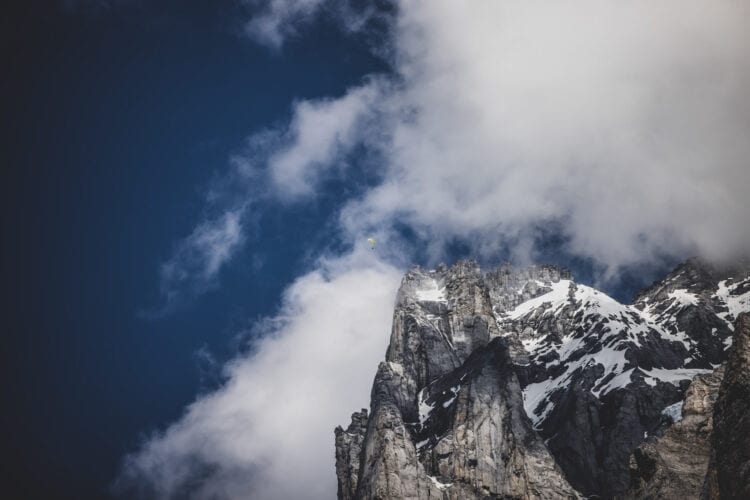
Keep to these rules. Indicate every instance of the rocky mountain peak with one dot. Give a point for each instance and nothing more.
(527, 370)
(510, 287)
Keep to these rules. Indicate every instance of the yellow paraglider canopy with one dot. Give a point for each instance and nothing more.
(371, 241)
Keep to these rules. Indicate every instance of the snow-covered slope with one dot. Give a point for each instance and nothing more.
(573, 327)
(598, 373)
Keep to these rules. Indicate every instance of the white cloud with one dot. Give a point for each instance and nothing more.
(624, 122)
(319, 136)
(620, 124)
(268, 432)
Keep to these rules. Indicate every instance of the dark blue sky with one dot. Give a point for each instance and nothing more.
(116, 117)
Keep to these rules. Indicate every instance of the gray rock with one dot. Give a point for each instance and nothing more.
(348, 451)
(524, 384)
(445, 355)
(729, 470)
(675, 464)
(488, 448)
(598, 408)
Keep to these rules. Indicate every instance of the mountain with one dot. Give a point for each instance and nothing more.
(729, 466)
(706, 453)
(675, 464)
(526, 384)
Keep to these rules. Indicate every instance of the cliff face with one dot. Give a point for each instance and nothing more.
(706, 453)
(348, 451)
(525, 384)
(729, 469)
(447, 415)
(675, 464)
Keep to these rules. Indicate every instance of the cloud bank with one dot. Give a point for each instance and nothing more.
(621, 126)
(267, 432)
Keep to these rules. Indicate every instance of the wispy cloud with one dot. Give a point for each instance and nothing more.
(194, 267)
(277, 167)
(276, 20)
(273, 22)
(319, 136)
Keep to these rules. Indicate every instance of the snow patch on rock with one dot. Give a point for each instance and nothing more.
(433, 293)
(674, 411)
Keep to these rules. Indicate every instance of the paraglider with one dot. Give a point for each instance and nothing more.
(371, 241)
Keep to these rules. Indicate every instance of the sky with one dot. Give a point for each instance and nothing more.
(192, 304)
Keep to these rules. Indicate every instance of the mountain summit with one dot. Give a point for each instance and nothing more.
(522, 383)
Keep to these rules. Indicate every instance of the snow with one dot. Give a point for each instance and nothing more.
(533, 395)
(661, 322)
(598, 309)
(597, 302)
(735, 303)
(684, 297)
(594, 304)
(424, 408)
(531, 344)
(432, 293)
(396, 368)
(617, 382)
(727, 342)
(556, 297)
(615, 328)
(449, 402)
(671, 376)
(440, 486)
(454, 390)
(674, 411)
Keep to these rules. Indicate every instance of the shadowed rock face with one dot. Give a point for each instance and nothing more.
(706, 453)
(475, 441)
(482, 441)
(729, 471)
(675, 464)
(519, 384)
(348, 450)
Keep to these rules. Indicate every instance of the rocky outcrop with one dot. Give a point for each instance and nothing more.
(526, 384)
(477, 438)
(675, 464)
(510, 287)
(447, 416)
(348, 450)
(729, 470)
(390, 465)
(473, 439)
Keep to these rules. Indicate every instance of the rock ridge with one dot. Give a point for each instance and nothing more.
(526, 384)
